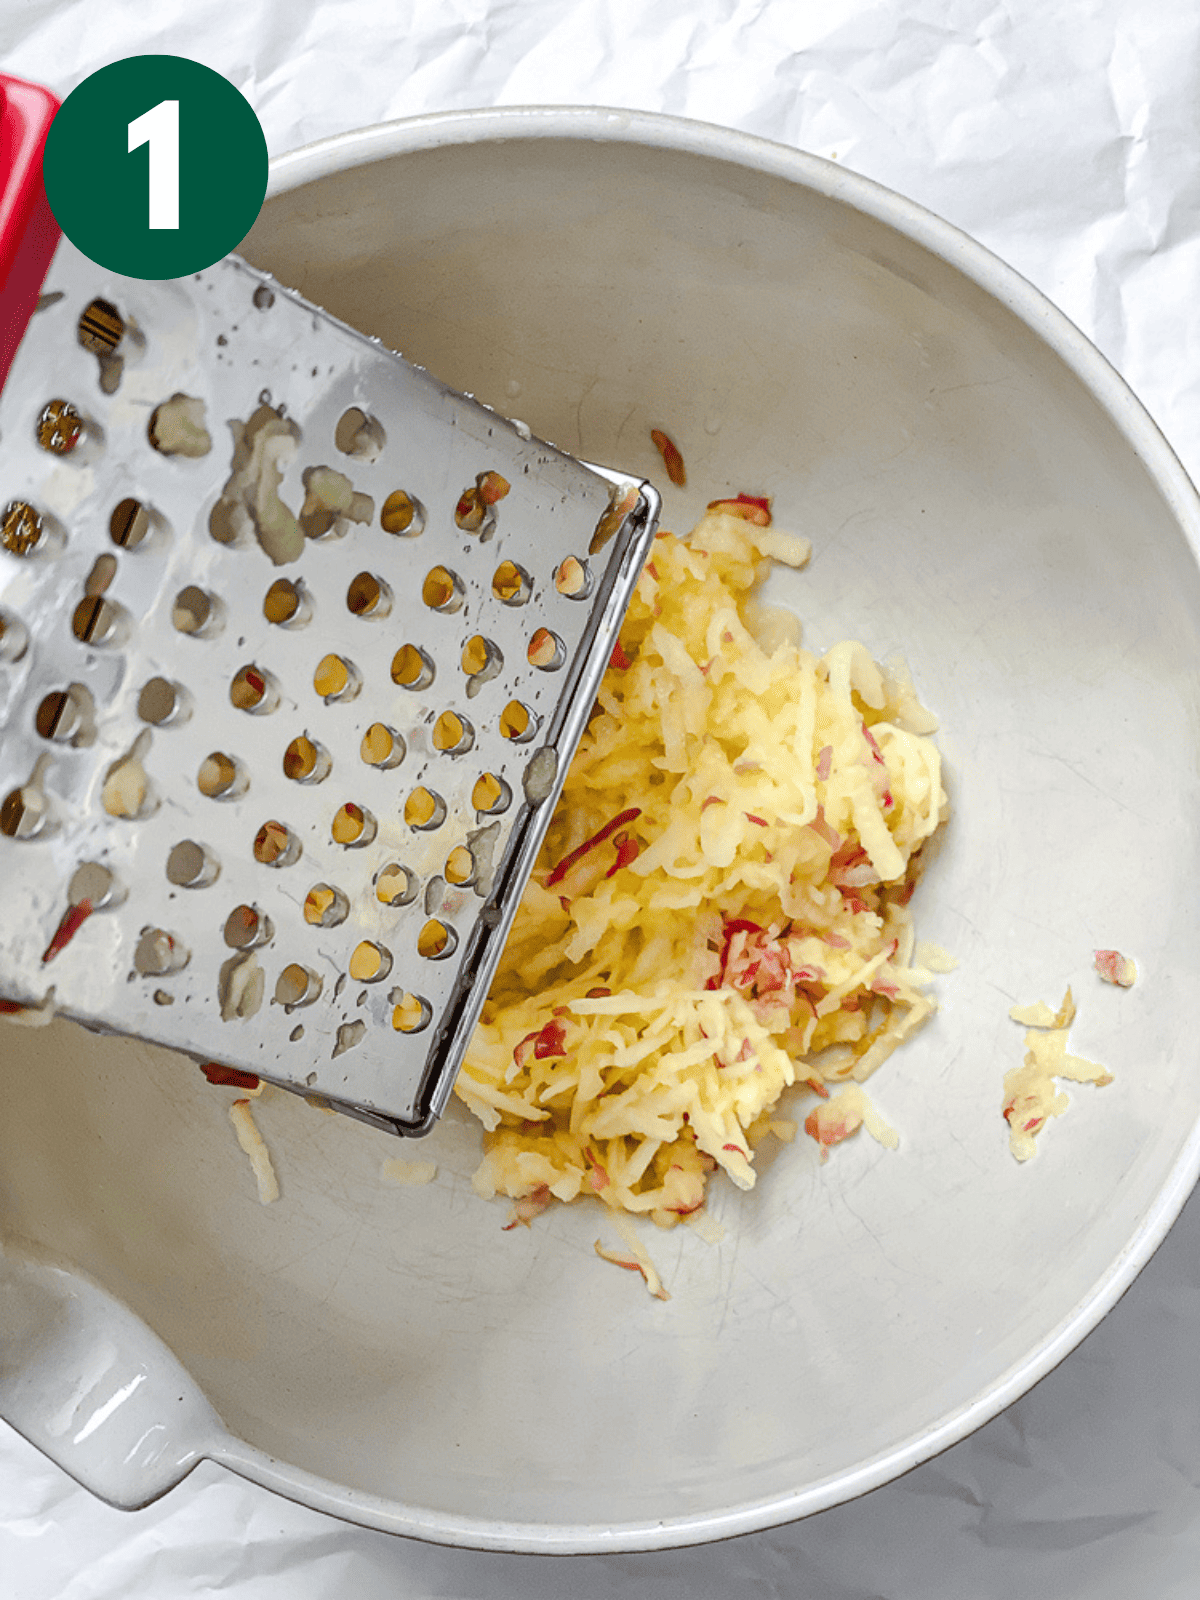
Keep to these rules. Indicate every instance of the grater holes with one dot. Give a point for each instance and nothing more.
(162, 703)
(436, 940)
(297, 986)
(370, 962)
(325, 906)
(130, 523)
(104, 570)
(93, 882)
(382, 747)
(412, 668)
(410, 1012)
(196, 613)
(336, 679)
(424, 810)
(460, 867)
(402, 514)
(22, 530)
(573, 578)
(18, 820)
(305, 761)
(540, 775)
(331, 504)
(25, 811)
(621, 503)
(443, 590)
(14, 637)
(100, 328)
(511, 584)
(254, 690)
(353, 826)
(177, 428)
(246, 927)
(452, 734)
(368, 596)
(275, 845)
(518, 722)
(481, 660)
(240, 986)
(95, 620)
(473, 516)
(358, 434)
(126, 789)
(67, 716)
(491, 795)
(475, 511)
(395, 885)
(546, 651)
(158, 954)
(348, 1035)
(287, 605)
(59, 427)
(221, 777)
(191, 866)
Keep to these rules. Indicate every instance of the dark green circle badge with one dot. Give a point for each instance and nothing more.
(155, 166)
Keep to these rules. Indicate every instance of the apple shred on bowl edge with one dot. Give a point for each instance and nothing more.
(1031, 1096)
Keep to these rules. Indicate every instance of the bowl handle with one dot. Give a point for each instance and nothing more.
(87, 1382)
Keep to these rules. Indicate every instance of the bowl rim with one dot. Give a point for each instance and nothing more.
(341, 153)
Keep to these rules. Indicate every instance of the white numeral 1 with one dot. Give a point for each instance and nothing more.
(159, 128)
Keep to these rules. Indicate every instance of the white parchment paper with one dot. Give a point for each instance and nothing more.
(1067, 142)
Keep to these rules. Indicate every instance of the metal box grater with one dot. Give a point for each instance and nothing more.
(282, 719)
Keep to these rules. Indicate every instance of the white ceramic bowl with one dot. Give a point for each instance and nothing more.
(982, 492)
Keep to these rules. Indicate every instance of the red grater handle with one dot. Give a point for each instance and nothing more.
(28, 231)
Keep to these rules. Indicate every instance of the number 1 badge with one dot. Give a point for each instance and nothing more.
(155, 166)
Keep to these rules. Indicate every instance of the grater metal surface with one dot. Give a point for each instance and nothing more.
(325, 821)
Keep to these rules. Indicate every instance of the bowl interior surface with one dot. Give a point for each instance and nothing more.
(982, 496)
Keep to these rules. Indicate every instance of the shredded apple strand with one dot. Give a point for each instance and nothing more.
(720, 907)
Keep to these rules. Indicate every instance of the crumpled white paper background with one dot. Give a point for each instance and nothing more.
(1066, 143)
